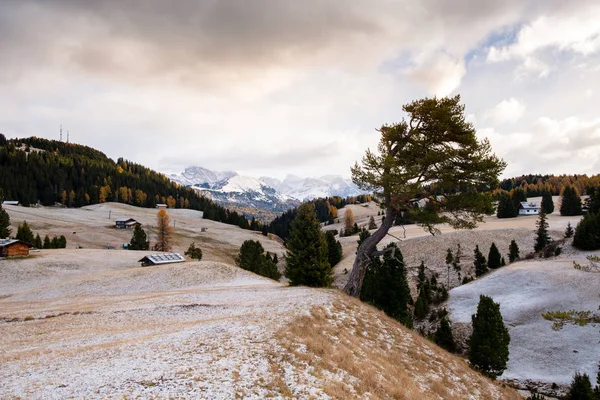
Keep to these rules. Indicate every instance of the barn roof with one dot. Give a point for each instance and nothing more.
(164, 258)
(8, 242)
(529, 205)
(124, 219)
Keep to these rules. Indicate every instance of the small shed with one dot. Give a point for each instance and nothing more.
(10, 203)
(14, 247)
(529, 208)
(123, 223)
(159, 259)
(161, 206)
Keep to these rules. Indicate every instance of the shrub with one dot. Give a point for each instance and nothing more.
(194, 252)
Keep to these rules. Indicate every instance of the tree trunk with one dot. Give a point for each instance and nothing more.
(357, 275)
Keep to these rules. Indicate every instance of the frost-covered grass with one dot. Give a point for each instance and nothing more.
(534, 297)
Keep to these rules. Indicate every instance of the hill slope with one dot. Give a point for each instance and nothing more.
(205, 329)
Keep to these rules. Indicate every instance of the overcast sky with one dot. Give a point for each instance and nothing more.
(267, 87)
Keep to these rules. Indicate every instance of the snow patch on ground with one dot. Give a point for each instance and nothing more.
(525, 290)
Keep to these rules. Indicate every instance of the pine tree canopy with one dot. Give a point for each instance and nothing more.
(480, 262)
(494, 257)
(434, 148)
(488, 345)
(570, 202)
(386, 285)
(513, 251)
(307, 259)
(547, 202)
(542, 237)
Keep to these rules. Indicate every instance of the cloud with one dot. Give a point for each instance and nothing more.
(507, 111)
(573, 29)
(271, 88)
(439, 72)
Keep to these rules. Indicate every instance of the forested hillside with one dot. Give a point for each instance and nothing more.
(535, 185)
(51, 172)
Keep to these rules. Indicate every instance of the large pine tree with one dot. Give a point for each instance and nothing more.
(24, 233)
(542, 238)
(547, 202)
(334, 249)
(480, 262)
(494, 257)
(139, 240)
(443, 336)
(513, 251)
(488, 345)
(506, 207)
(306, 260)
(570, 202)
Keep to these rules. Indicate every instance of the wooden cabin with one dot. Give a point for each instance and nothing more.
(123, 223)
(13, 248)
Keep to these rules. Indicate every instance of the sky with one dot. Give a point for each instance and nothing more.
(270, 88)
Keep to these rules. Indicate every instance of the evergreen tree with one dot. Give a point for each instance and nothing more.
(306, 259)
(386, 286)
(252, 258)
(506, 207)
(372, 224)
(362, 235)
(55, 244)
(443, 336)
(547, 202)
(503, 262)
(194, 252)
(513, 251)
(61, 242)
(592, 203)
(488, 345)
(422, 304)
(421, 277)
(276, 261)
(47, 243)
(334, 249)
(449, 261)
(542, 238)
(570, 202)
(4, 220)
(518, 196)
(139, 240)
(164, 231)
(24, 233)
(38, 242)
(569, 231)
(581, 388)
(480, 262)
(587, 233)
(494, 257)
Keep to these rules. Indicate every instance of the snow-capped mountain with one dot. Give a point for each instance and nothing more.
(194, 175)
(264, 193)
(309, 188)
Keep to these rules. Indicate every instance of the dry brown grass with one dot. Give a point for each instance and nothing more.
(356, 351)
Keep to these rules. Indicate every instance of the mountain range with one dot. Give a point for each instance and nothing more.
(265, 193)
